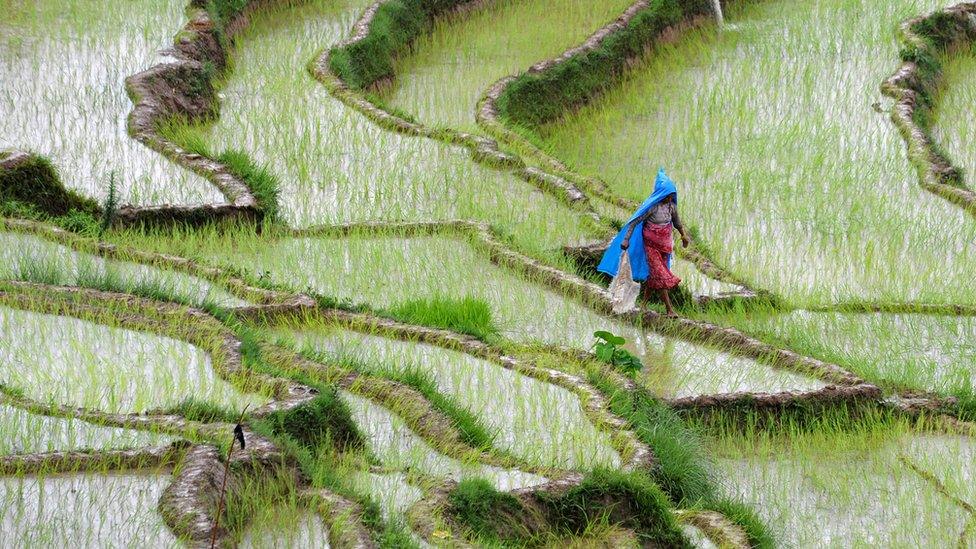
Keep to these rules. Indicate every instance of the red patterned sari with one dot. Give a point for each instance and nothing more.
(658, 245)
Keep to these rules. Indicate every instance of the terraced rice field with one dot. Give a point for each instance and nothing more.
(43, 511)
(63, 94)
(325, 275)
(818, 221)
(807, 485)
(335, 166)
(465, 54)
(953, 115)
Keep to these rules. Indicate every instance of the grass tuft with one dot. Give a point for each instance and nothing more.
(324, 420)
(32, 189)
(263, 184)
(629, 499)
(203, 411)
(489, 513)
(465, 315)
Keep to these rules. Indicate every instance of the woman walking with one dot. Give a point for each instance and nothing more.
(647, 239)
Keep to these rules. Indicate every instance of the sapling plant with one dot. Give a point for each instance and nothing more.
(608, 348)
(109, 206)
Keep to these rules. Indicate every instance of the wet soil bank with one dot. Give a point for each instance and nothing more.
(914, 87)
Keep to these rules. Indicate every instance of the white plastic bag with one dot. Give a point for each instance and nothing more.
(623, 289)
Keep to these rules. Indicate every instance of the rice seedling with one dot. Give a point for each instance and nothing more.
(33, 259)
(333, 164)
(467, 52)
(285, 526)
(953, 116)
(396, 447)
(833, 488)
(22, 432)
(84, 510)
(537, 421)
(63, 96)
(521, 309)
(763, 123)
(898, 351)
(71, 361)
(391, 491)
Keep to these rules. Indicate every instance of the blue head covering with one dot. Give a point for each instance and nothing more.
(663, 187)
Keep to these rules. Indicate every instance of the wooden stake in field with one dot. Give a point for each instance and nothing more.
(238, 437)
(718, 12)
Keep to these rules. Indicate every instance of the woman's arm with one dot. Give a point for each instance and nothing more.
(630, 231)
(676, 222)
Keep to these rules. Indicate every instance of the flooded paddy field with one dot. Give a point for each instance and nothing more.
(30, 258)
(27, 433)
(953, 117)
(465, 54)
(62, 93)
(809, 485)
(56, 359)
(926, 353)
(402, 342)
(757, 167)
(334, 165)
(84, 510)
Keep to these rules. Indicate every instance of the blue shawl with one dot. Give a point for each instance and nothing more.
(663, 186)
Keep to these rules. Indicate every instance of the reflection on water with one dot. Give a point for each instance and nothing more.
(85, 510)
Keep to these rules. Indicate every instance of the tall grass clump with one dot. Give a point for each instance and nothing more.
(322, 420)
(32, 189)
(491, 515)
(259, 179)
(196, 409)
(467, 315)
(636, 502)
(36, 181)
(630, 500)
